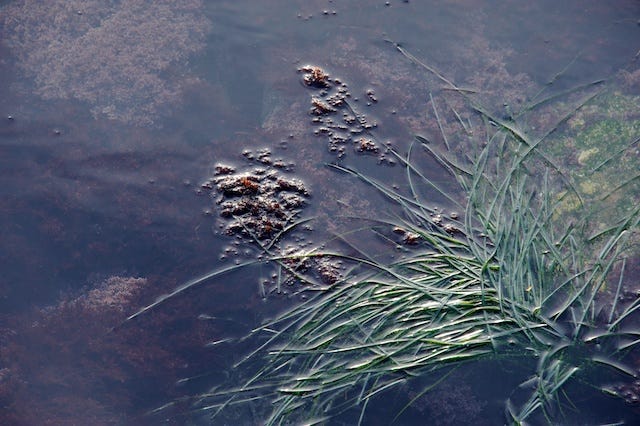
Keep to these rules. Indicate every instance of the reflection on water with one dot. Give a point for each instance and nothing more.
(113, 114)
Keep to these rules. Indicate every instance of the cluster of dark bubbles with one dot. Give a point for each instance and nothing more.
(630, 392)
(259, 201)
(325, 12)
(336, 119)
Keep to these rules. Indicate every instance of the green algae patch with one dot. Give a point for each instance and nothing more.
(587, 156)
(599, 145)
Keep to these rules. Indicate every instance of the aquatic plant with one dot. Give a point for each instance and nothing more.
(509, 277)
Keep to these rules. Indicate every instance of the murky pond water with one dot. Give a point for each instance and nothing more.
(133, 133)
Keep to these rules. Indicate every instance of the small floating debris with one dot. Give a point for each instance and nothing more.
(222, 169)
(371, 95)
(315, 76)
(451, 229)
(367, 145)
(337, 120)
(408, 237)
(321, 107)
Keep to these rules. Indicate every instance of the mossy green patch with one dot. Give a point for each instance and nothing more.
(599, 146)
(587, 156)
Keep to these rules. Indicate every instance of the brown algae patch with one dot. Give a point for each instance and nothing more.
(120, 57)
(259, 201)
(335, 117)
(260, 205)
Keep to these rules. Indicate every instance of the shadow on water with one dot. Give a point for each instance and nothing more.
(101, 198)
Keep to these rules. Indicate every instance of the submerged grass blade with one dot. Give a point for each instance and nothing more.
(509, 278)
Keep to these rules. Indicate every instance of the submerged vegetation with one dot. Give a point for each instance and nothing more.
(530, 267)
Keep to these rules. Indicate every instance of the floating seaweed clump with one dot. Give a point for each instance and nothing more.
(261, 204)
(260, 201)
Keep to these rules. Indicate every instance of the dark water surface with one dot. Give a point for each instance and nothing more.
(103, 150)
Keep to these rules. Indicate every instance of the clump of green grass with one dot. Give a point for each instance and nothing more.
(509, 279)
